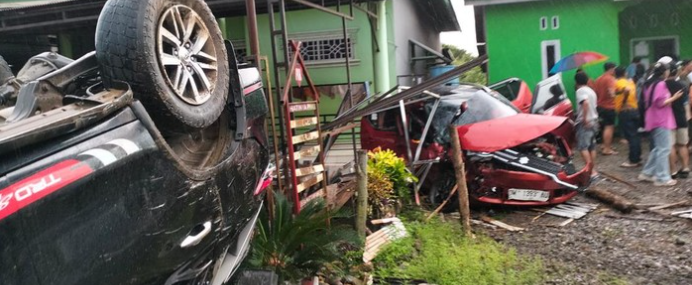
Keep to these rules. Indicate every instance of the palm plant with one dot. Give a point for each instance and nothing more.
(297, 246)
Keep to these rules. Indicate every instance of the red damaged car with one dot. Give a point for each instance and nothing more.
(512, 158)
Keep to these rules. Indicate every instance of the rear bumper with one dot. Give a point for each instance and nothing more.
(503, 180)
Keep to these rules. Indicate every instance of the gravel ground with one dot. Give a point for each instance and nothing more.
(600, 249)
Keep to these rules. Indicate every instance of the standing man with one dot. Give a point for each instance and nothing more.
(628, 115)
(587, 121)
(680, 134)
(605, 91)
(632, 68)
(685, 67)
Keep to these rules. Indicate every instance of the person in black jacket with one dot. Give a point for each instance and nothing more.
(680, 134)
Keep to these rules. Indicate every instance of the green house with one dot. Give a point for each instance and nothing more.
(384, 37)
(524, 38)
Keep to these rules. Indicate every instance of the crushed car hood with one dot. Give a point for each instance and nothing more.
(507, 132)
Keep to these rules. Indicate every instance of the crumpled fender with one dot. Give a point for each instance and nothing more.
(507, 132)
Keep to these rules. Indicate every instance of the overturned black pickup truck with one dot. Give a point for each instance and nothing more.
(142, 162)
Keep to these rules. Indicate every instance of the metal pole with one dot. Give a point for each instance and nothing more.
(252, 27)
(277, 83)
(347, 49)
(382, 55)
(324, 9)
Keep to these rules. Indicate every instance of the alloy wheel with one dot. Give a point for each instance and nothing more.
(186, 54)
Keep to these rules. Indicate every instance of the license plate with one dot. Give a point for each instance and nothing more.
(528, 195)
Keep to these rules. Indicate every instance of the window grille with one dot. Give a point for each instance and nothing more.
(326, 50)
(241, 50)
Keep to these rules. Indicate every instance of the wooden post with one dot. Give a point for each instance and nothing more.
(460, 172)
(362, 186)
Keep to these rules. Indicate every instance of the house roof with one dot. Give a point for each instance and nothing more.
(440, 13)
(40, 16)
(495, 2)
(10, 5)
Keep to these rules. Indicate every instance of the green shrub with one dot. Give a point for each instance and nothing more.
(385, 163)
(439, 253)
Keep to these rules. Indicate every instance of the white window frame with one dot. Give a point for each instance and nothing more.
(544, 56)
(543, 23)
(675, 38)
(555, 22)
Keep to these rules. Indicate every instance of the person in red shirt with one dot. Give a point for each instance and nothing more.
(605, 91)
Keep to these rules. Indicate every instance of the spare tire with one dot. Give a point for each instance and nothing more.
(172, 54)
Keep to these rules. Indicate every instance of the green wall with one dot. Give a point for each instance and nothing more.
(514, 36)
(670, 18)
(315, 21)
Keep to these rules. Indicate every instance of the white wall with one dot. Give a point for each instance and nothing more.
(409, 23)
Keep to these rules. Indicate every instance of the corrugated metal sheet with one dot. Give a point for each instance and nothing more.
(440, 14)
(29, 4)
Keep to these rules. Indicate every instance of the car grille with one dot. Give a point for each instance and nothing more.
(530, 161)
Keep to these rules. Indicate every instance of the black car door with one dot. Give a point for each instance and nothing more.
(127, 215)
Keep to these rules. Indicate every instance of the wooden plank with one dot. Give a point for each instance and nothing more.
(302, 106)
(307, 151)
(307, 183)
(341, 129)
(309, 170)
(661, 207)
(304, 122)
(492, 221)
(583, 205)
(313, 196)
(305, 137)
(566, 222)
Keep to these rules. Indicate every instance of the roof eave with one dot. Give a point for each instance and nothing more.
(495, 2)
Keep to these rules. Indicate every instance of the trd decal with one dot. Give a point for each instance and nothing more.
(28, 190)
(39, 185)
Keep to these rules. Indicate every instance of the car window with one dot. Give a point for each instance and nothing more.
(507, 88)
(542, 93)
(384, 121)
(481, 106)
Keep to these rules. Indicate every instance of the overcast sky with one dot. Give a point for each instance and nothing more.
(467, 38)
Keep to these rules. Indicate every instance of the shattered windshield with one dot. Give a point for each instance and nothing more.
(481, 106)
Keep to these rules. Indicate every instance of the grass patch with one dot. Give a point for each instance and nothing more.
(439, 253)
(610, 279)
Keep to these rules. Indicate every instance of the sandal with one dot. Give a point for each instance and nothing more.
(628, 164)
(668, 183)
(683, 173)
(612, 152)
(645, 178)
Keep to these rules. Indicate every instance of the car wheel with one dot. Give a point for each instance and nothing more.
(172, 54)
(440, 189)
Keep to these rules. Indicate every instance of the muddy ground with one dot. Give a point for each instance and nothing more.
(602, 249)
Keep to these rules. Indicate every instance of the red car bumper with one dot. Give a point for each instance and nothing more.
(501, 181)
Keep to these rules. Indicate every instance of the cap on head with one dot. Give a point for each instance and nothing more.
(659, 69)
(665, 60)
